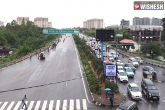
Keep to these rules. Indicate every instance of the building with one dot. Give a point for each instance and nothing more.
(21, 19)
(124, 22)
(50, 24)
(1, 23)
(141, 21)
(41, 22)
(156, 21)
(93, 23)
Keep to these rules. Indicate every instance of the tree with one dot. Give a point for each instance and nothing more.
(163, 33)
(152, 46)
(126, 34)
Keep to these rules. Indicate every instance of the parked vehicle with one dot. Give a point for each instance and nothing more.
(134, 62)
(149, 89)
(134, 92)
(131, 66)
(129, 71)
(128, 105)
(122, 76)
(139, 60)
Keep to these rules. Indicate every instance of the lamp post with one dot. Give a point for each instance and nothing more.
(151, 54)
(117, 36)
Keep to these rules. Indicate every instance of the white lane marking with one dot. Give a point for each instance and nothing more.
(81, 73)
(44, 105)
(84, 104)
(78, 104)
(51, 105)
(37, 105)
(162, 100)
(31, 105)
(17, 106)
(10, 106)
(57, 105)
(3, 106)
(64, 107)
(71, 106)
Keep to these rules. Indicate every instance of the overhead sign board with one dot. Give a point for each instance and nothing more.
(60, 31)
(104, 35)
(110, 70)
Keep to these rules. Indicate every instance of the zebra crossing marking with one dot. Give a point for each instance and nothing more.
(71, 107)
(31, 105)
(58, 105)
(17, 106)
(11, 105)
(44, 105)
(37, 105)
(78, 104)
(51, 105)
(64, 105)
(84, 104)
(3, 106)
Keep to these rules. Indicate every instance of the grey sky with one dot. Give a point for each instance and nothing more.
(72, 13)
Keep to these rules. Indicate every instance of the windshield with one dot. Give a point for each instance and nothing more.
(152, 88)
(134, 60)
(151, 69)
(130, 65)
(122, 74)
(128, 69)
(135, 89)
(138, 58)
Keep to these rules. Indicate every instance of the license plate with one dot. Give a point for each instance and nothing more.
(154, 97)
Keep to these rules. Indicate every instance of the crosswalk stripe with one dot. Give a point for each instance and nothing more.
(71, 107)
(57, 105)
(84, 104)
(51, 105)
(78, 104)
(24, 105)
(44, 105)
(31, 105)
(18, 104)
(64, 107)
(3, 106)
(10, 106)
(37, 105)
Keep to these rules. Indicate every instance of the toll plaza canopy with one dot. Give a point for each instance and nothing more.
(126, 41)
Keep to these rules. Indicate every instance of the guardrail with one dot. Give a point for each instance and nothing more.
(153, 62)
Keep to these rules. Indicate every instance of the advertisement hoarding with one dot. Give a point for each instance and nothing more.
(110, 70)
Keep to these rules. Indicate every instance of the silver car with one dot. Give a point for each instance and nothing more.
(139, 60)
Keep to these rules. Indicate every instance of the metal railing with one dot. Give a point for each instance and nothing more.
(154, 61)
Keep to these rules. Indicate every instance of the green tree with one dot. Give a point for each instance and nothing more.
(163, 33)
(126, 34)
(152, 46)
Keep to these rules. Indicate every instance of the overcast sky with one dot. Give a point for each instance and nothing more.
(72, 13)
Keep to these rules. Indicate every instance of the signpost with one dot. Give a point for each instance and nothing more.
(60, 31)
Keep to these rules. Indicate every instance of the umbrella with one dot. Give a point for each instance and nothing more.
(107, 89)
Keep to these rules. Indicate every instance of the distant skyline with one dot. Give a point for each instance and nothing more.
(72, 13)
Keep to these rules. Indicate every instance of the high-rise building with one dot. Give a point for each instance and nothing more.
(1, 23)
(21, 19)
(50, 24)
(124, 22)
(146, 21)
(41, 22)
(93, 23)
(156, 21)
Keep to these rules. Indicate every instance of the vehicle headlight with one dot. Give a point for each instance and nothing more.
(150, 94)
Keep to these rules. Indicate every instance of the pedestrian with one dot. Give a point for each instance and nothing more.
(24, 102)
(111, 99)
(30, 56)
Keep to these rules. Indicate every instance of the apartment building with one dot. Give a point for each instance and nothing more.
(93, 23)
(1, 23)
(41, 22)
(156, 21)
(50, 24)
(20, 19)
(124, 22)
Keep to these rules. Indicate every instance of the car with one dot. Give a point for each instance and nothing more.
(111, 58)
(134, 92)
(122, 76)
(119, 67)
(133, 61)
(149, 89)
(120, 62)
(128, 105)
(149, 69)
(131, 66)
(139, 60)
(114, 54)
(128, 71)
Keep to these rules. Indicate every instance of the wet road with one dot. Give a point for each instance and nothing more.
(58, 78)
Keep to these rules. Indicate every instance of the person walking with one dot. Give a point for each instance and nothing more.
(24, 102)
(111, 99)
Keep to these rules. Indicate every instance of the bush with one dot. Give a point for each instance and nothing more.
(112, 86)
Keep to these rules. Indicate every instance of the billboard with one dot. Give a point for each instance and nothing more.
(104, 35)
(110, 70)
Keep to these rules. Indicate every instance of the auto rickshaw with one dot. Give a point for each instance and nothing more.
(152, 76)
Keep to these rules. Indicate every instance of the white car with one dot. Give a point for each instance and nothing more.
(111, 58)
(120, 62)
(134, 92)
(119, 67)
(133, 61)
(122, 76)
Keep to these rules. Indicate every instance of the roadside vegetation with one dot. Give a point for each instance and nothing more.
(23, 39)
(93, 68)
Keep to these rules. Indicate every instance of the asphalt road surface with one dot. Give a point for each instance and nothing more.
(57, 82)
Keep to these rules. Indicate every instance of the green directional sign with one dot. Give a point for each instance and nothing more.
(58, 31)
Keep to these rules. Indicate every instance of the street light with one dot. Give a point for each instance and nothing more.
(151, 54)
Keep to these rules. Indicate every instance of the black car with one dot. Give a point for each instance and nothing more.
(131, 66)
(149, 69)
(129, 105)
(149, 89)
